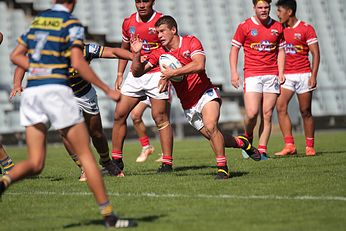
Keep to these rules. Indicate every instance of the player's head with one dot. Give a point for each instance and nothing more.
(166, 27)
(262, 9)
(70, 3)
(145, 7)
(286, 9)
(1, 37)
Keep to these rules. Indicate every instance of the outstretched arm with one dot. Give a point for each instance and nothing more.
(114, 52)
(17, 82)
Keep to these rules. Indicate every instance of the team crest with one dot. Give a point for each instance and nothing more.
(254, 32)
(152, 30)
(297, 36)
(132, 30)
(275, 32)
(187, 54)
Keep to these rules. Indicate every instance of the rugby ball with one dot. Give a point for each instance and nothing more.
(170, 61)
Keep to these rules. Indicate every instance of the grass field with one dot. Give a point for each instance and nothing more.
(290, 193)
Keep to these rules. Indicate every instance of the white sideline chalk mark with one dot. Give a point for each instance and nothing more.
(199, 196)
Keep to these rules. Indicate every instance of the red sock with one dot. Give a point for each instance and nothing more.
(144, 141)
(310, 142)
(289, 140)
(167, 160)
(221, 161)
(262, 149)
(239, 142)
(117, 154)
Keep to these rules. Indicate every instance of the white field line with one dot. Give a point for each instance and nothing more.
(198, 196)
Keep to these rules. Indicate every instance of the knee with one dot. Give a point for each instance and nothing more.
(267, 115)
(36, 167)
(210, 128)
(159, 117)
(136, 118)
(305, 112)
(251, 115)
(119, 117)
(281, 108)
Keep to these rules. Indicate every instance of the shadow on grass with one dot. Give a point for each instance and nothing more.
(51, 178)
(150, 218)
(232, 174)
(302, 155)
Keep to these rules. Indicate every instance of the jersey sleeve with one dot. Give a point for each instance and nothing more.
(311, 36)
(125, 31)
(93, 51)
(74, 33)
(196, 47)
(239, 36)
(281, 39)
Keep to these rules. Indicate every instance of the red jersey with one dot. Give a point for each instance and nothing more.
(193, 86)
(261, 45)
(146, 31)
(298, 38)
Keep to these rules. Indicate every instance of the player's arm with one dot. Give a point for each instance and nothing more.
(19, 57)
(80, 64)
(17, 82)
(315, 52)
(138, 67)
(121, 66)
(114, 53)
(197, 65)
(281, 64)
(233, 63)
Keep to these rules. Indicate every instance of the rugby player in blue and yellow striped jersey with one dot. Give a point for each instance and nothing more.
(53, 43)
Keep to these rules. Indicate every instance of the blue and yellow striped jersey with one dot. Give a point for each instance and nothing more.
(79, 86)
(49, 40)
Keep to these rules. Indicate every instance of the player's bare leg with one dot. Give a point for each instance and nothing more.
(308, 121)
(159, 111)
(253, 102)
(268, 104)
(285, 122)
(122, 111)
(210, 117)
(100, 142)
(138, 125)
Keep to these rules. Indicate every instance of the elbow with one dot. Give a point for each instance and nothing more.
(76, 64)
(136, 73)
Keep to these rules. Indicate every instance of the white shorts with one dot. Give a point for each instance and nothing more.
(53, 105)
(298, 83)
(147, 102)
(194, 114)
(88, 102)
(262, 84)
(145, 85)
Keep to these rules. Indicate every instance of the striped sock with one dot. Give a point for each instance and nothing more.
(168, 160)
(221, 161)
(145, 142)
(106, 209)
(289, 139)
(7, 164)
(310, 142)
(262, 149)
(117, 154)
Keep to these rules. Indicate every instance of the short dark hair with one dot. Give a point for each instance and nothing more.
(288, 4)
(168, 20)
(256, 1)
(63, 1)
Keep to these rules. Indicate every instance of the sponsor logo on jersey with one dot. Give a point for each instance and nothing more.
(93, 48)
(297, 36)
(293, 49)
(149, 46)
(254, 32)
(263, 46)
(37, 71)
(151, 30)
(47, 23)
(187, 54)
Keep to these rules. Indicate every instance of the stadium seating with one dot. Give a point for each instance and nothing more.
(214, 22)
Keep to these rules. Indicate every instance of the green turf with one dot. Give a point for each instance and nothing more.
(289, 193)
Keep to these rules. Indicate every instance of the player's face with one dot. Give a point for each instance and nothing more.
(144, 7)
(262, 10)
(165, 34)
(283, 14)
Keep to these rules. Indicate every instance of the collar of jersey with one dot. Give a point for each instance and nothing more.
(60, 7)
